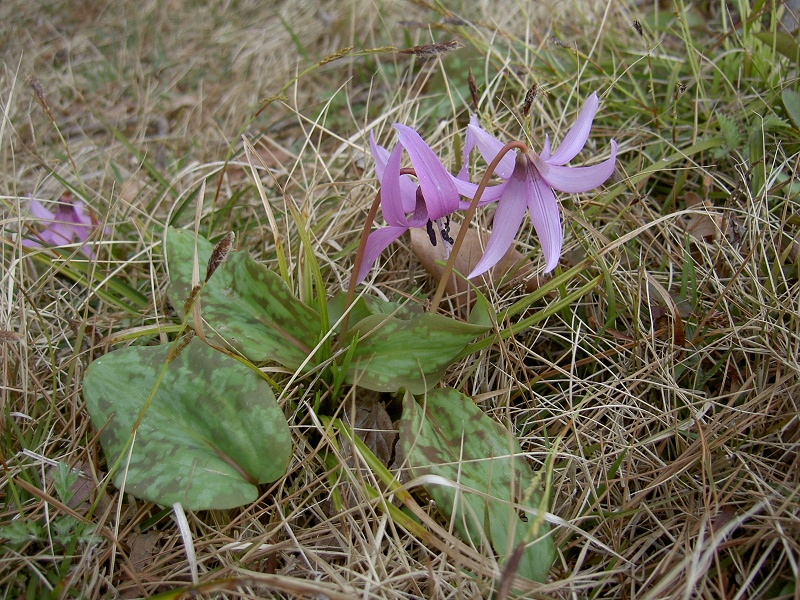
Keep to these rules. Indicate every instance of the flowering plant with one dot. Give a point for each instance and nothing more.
(190, 423)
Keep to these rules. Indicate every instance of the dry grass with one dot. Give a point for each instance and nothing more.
(666, 399)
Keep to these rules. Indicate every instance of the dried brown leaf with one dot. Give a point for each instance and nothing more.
(131, 188)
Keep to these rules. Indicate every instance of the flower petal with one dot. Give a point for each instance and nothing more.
(71, 216)
(408, 187)
(545, 153)
(574, 180)
(380, 155)
(576, 138)
(437, 184)
(546, 220)
(469, 144)
(507, 219)
(377, 242)
(491, 194)
(489, 147)
(420, 216)
(39, 211)
(58, 234)
(391, 196)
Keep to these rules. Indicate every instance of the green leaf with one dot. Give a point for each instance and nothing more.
(482, 312)
(414, 353)
(783, 43)
(791, 100)
(212, 432)
(450, 437)
(336, 305)
(248, 307)
(21, 531)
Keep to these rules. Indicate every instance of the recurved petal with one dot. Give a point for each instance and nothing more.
(469, 144)
(545, 153)
(546, 221)
(39, 211)
(489, 147)
(575, 180)
(438, 187)
(576, 138)
(507, 219)
(407, 186)
(391, 196)
(377, 241)
(380, 155)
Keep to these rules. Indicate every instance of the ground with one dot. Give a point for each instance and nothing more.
(651, 381)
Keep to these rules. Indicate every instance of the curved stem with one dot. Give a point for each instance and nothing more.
(351, 287)
(462, 233)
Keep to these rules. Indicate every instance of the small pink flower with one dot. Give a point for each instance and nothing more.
(530, 180)
(69, 223)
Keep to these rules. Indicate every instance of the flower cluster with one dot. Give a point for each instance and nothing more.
(530, 179)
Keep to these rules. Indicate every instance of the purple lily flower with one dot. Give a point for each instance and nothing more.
(430, 202)
(68, 223)
(530, 180)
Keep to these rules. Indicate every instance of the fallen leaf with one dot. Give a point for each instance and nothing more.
(706, 225)
(374, 426)
(131, 188)
(664, 309)
(143, 549)
(82, 488)
(514, 263)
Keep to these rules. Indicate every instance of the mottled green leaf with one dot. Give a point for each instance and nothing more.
(247, 306)
(364, 306)
(180, 251)
(212, 432)
(336, 306)
(448, 435)
(414, 353)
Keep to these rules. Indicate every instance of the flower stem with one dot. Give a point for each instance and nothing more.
(351, 287)
(448, 268)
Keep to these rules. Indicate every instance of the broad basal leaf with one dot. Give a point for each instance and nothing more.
(394, 353)
(247, 306)
(212, 432)
(447, 435)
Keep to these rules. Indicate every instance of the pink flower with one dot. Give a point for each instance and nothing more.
(429, 202)
(69, 223)
(530, 180)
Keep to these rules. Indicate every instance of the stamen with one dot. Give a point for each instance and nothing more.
(431, 233)
(444, 231)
